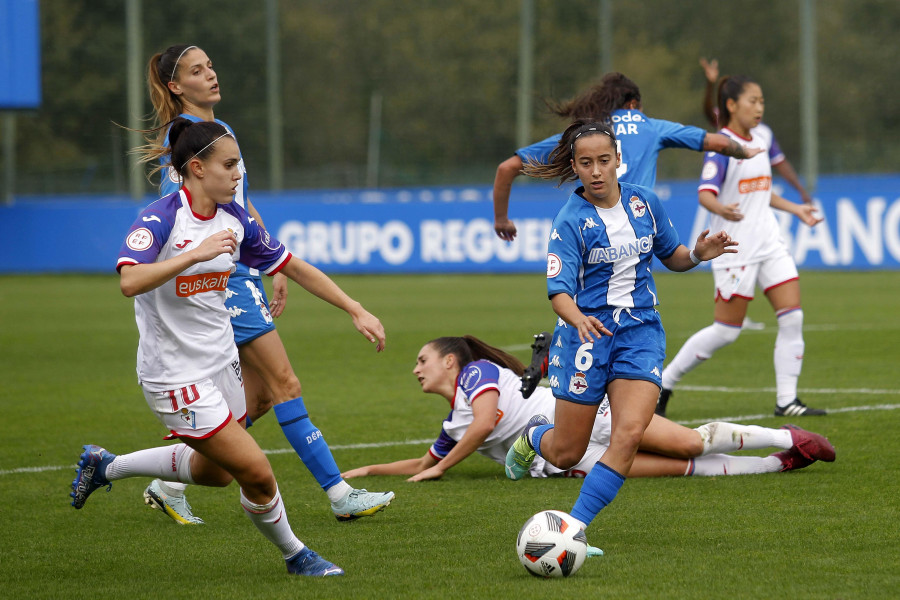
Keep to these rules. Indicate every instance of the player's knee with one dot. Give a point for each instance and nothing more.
(284, 386)
(791, 320)
(567, 459)
(727, 334)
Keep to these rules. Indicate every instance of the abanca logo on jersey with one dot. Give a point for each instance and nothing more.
(612, 254)
(190, 285)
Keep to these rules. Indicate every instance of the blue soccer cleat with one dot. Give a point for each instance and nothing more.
(306, 562)
(521, 454)
(91, 473)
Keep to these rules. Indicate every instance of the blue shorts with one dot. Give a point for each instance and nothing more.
(637, 349)
(248, 306)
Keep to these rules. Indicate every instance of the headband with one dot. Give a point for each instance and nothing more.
(580, 133)
(202, 149)
(175, 68)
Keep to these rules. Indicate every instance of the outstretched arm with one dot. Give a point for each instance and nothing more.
(410, 466)
(319, 284)
(707, 247)
(484, 411)
(711, 72)
(503, 180)
(786, 170)
(804, 212)
(721, 143)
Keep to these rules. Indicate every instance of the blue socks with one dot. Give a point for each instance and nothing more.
(536, 434)
(599, 488)
(308, 442)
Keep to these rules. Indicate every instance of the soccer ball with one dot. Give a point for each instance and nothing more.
(551, 544)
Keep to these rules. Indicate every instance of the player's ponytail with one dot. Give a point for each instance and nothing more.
(469, 348)
(560, 165)
(161, 70)
(597, 103)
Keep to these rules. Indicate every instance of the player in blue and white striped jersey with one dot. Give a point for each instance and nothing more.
(609, 339)
(615, 101)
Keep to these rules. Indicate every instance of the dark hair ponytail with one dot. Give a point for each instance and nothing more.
(469, 348)
(597, 103)
(560, 165)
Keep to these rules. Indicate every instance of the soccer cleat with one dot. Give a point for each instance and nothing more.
(798, 409)
(662, 401)
(537, 370)
(306, 562)
(752, 325)
(361, 503)
(521, 454)
(176, 507)
(90, 474)
(792, 459)
(593, 551)
(811, 445)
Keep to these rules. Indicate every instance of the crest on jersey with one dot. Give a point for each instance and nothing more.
(139, 239)
(578, 384)
(554, 265)
(638, 208)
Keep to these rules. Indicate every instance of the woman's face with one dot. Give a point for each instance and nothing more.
(595, 162)
(219, 172)
(432, 370)
(195, 80)
(747, 111)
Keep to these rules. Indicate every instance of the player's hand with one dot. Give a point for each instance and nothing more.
(731, 212)
(590, 329)
(807, 214)
(216, 244)
(709, 247)
(279, 294)
(368, 324)
(358, 472)
(710, 69)
(506, 229)
(429, 473)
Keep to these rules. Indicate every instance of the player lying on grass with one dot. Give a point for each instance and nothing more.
(491, 405)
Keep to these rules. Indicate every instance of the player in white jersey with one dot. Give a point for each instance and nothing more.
(175, 261)
(490, 405)
(738, 194)
(183, 83)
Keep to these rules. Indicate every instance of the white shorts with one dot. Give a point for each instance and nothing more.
(742, 281)
(201, 409)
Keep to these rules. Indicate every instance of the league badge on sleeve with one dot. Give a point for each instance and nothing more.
(139, 239)
(554, 265)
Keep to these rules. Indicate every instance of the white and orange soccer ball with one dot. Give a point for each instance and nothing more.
(551, 544)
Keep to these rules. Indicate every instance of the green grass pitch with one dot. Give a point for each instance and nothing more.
(67, 350)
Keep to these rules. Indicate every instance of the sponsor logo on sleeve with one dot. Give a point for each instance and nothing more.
(139, 239)
(470, 379)
(710, 170)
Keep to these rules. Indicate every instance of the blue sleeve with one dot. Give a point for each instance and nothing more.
(715, 168)
(564, 255)
(442, 446)
(539, 151)
(666, 240)
(477, 377)
(676, 135)
(775, 154)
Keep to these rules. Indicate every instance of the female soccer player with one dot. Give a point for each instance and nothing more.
(175, 262)
(615, 101)
(183, 83)
(739, 197)
(609, 339)
(489, 411)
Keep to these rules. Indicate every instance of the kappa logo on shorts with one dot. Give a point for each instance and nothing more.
(554, 381)
(578, 384)
(555, 361)
(655, 371)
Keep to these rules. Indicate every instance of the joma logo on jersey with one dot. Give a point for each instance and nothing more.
(614, 253)
(754, 184)
(189, 285)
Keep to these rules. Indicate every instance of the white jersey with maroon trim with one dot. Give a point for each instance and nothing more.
(747, 182)
(185, 330)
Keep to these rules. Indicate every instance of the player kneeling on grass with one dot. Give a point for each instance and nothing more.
(175, 262)
(491, 406)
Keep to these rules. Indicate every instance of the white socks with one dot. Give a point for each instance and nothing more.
(728, 437)
(697, 349)
(169, 463)
(338, 491)
(788, 355)
(272, 522)
(725, 464)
